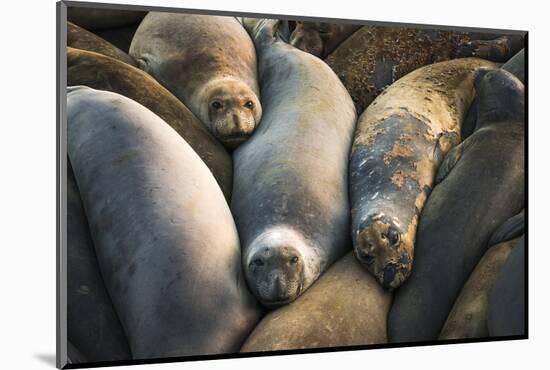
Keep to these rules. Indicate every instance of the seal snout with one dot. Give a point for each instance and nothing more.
(379, 248)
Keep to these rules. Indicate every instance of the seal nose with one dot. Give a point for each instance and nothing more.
(389, 275)
(281, 293)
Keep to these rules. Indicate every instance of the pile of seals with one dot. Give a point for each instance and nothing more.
(239, 184)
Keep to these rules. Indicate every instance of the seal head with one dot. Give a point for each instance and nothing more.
(277, 266)
(231, 111)
(382, 247)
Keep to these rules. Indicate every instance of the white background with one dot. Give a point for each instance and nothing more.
(27, 183)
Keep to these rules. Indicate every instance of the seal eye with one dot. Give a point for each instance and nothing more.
(249, 104)
(294, 260)
(257, 262)
(393, 236)
(216, 105)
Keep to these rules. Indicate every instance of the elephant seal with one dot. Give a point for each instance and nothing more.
(320, 38)
(290, 198)
(468, 317)
(99, 19)
(165, 239)
(480, 185)
(507, 302)
(79, 38)
(374, 57)
(209, 63)
(92, 323)
(516, 66)
(121, 37)
(399, 142)
(345, 307)
(498, 48)
(104, 73)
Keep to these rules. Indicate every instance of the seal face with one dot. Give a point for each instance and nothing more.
(209, 63)
(319, 38)
(233, 111)
(275, 268)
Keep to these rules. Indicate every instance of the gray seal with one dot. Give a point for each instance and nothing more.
(480, 185)
(506, 315)
(164, 236)
(92, 323)
(209, 63)
(290, 199)
(104, 73)
(399, 142)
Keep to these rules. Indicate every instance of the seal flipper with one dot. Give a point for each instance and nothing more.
(511, 229)
(445, 142)
(451, 159)
(267, 30)
(516, 65)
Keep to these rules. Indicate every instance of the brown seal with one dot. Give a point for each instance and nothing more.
(344, 307)
(79, 38)
(209, 63)
(101, 72)
(399, 142)
(320, 38)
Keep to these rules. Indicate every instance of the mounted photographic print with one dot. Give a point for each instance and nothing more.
(236, 185)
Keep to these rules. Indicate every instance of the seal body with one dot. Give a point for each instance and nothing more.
(104, 73)
(165, 240)
(121, 37)
(345, 307)
(399, 142)
(92, 323)
(99, 19)
(209, 63)
(290, 198)
(320, 38)
(507, 303)
(468, 317)
(480, 185)
(79, 38)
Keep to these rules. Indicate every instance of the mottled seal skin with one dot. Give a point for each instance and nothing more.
(290, 198)
(468, 317)
(209, 63)
(374, 57)
(104, 73)
(480, 185)
(320, 38)
(513, 228)
(507, 302)
(498, 48)
(79, 38)
(99, 19)
(399, 142)
(92, 323)
(165, 239)
(345, 307)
